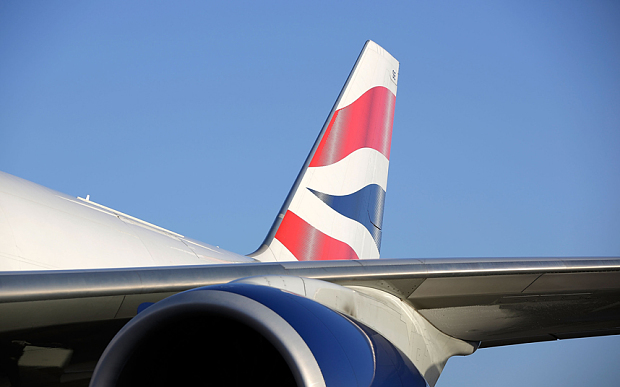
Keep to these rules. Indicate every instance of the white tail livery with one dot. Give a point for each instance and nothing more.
(335, 208)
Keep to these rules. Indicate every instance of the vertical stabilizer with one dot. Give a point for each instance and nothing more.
(335, 208)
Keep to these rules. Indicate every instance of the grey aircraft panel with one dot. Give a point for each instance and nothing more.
(494, 301)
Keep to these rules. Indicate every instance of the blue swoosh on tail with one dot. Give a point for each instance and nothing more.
(364, 206)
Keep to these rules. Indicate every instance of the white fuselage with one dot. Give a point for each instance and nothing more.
(42, 229)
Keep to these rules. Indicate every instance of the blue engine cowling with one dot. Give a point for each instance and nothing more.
(241, 334)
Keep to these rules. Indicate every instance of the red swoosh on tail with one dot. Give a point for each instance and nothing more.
(309, 244)
(366, 123)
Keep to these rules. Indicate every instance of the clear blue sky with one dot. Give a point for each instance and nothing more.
(197, 116)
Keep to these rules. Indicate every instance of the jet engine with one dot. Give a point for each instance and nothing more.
(248, 334)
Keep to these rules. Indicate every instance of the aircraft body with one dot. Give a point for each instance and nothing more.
(314, 305)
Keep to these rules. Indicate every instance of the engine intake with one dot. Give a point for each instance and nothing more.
(245, 334)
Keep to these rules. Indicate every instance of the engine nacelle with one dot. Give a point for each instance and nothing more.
(246, 334)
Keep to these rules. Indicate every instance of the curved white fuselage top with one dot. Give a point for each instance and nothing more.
(42, 229)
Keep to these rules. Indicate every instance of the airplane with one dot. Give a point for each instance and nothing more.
(92, 296)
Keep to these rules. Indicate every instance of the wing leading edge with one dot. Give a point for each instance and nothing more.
(491, 301)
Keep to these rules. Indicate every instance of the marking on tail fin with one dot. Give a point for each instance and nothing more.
(364, 206)
(363, 167)
(307, 243)
(366, 123)
(394, 77)
(315, 212)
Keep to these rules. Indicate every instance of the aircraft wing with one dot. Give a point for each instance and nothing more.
(492, 301)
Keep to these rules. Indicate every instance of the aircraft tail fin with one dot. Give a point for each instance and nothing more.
(335, 208)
